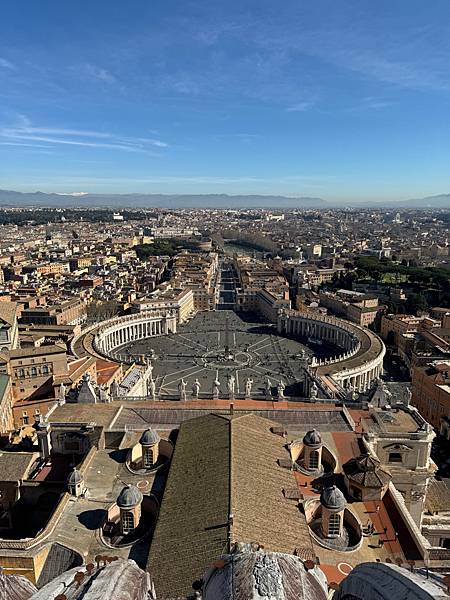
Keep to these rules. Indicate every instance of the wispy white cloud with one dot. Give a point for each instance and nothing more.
(96, 72)
(6, 64)
(23, 144)
(24, 133)
(300, 107)
(245, 138)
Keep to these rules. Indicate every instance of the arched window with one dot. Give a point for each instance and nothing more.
(33, 371)
(44, 369)
(127, 521)
(314, 459)
(21, 373)
(334, 525)
(148, 457)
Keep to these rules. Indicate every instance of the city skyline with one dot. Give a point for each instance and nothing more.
(340, 102)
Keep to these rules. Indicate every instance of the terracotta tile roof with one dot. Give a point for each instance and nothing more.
(39, 351)
(438, 497)
(74, 365)
(8, 312)
(223, 465)
(16, 465)
(106, 370)
(192, 528)
(261, 512)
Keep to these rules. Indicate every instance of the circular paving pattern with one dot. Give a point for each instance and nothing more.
(222, 345)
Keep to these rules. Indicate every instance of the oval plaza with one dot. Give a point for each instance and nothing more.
(231, 355)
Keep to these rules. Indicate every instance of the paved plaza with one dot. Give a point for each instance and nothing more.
(219, 345)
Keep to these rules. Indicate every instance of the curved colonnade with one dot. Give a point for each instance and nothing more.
(104, 338)
(363, 351)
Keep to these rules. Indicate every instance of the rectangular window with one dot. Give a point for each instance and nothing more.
(314, 460)
(127, 521)
(334, 525)
(395, 457)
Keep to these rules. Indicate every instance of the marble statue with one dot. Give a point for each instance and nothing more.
(248, 387)
(268, 389)
(216, 387)
(182, 389)
(280, 389)
(196, 388)
(150, 367)
(408, 396)
(352, 394)
(62, 394)
(152, 388)
(231, 382)
(314, 390)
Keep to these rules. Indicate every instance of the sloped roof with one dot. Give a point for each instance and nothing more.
(15, 466)
(438, 496)
(366, 471)
(192, 528)
(8, 312)
(261, 512)
(222, 465)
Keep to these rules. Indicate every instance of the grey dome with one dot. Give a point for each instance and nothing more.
(75, 477)
(149, 437)
(370, 581)
(332, 498)
(313, 439)
(129, 497)
(250, 574)
(16, 587)
(121, 578)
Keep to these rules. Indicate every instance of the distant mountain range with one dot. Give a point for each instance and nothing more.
(218, 201)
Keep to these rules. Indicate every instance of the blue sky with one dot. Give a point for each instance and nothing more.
(342, 99)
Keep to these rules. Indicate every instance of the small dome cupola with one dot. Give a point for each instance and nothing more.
(75, 483)
(333, 523)
(312, 455)
(333, 506)
(332, 498)
(149, 442)
(129, 497)
(149, 437)
(313, 439)
(129, 501)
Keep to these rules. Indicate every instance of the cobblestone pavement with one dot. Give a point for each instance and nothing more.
(222, 344)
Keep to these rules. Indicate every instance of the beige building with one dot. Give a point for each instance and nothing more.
(34, 372)
(355, 306)
(179, 301)
(393, 326)
(6, 412)
(71, 312)
(431, 391)
(9, 330)
(402, 441)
